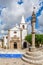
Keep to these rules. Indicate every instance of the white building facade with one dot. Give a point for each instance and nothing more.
(16, 36)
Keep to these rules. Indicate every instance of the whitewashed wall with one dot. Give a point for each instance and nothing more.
(5, 41)
(0, 43)
(24, 33)
(17, 33)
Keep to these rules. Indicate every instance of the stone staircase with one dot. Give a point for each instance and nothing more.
(35, 57)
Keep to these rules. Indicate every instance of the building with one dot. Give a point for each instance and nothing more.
(16, 36)
(1, 43)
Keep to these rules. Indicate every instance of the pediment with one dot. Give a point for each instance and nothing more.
(14, 28)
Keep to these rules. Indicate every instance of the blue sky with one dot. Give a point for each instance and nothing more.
(11, 12)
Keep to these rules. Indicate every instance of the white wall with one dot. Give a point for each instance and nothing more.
(0, 43)
(17, 33)
(5, 41)
(24, 33)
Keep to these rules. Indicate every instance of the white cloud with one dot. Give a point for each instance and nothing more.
(29, 27)
(12, 12)
(41, 19)
(41, 22)
(37, 31)
(10, 16)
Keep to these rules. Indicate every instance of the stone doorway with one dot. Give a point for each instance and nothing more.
(25, 45)
(15, 45)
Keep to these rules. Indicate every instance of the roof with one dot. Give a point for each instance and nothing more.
(14, 28)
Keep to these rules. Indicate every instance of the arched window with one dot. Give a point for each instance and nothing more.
(23, 26)
(15, 32)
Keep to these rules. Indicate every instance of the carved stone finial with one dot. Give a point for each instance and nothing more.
(34, 9)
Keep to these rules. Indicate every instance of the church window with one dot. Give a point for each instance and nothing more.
(15, 32)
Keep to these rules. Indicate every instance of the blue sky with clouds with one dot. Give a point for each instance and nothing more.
(12, 10)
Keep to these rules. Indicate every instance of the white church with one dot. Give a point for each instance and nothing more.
(16, 36)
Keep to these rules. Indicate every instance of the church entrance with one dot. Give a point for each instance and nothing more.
(15, 45)
(25, 45)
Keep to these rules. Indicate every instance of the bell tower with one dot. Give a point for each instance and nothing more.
(23, 29)
(23, 24)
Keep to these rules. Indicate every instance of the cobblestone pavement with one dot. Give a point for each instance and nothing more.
(4, 61)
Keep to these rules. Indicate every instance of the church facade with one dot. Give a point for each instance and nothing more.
(16, 36)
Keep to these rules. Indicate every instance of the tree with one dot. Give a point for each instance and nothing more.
(38, 39)
(28, 38)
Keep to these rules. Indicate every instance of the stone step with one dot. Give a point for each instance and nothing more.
(33, 57)
(31, 61)
(34, 53)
